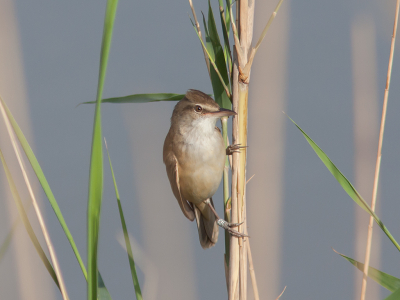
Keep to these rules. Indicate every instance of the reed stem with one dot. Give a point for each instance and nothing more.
(379, 156)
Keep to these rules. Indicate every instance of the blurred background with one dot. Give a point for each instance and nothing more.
(322, 62)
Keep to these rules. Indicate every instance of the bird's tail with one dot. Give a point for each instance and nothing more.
(206, 224)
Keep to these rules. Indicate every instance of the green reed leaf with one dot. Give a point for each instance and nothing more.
(135, 279)
(142, 98)
(386, 280)
(218, 87)
(43, 181)
(346, 185)
(96, 161)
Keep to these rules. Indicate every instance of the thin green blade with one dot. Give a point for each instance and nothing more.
(135, 279)
(387, 281)
(27, 224)
(219, 91)
(225, 24)
(228, 16)
(346, 185)
(96, 161)
(43, 181)
(209, 46)
(142, 98)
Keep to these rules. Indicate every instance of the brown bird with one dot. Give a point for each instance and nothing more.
(194, 156)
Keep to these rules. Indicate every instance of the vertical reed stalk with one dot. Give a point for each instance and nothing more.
(379, 155)
(245, 13)
(234, 244)
(242, 112)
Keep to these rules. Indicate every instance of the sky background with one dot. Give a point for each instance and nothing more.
(155, 49)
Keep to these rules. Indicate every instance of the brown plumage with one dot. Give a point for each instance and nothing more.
(194, 156)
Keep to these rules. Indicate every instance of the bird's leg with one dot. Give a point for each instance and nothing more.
(226, 225)
(234, 148)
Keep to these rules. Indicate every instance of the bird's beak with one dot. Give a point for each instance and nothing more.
(222, 112)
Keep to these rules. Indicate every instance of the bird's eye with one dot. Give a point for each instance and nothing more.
(198, 108)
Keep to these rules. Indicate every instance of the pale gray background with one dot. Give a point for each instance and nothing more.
(155, 49)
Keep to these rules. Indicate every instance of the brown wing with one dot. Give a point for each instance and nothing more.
(171, 164)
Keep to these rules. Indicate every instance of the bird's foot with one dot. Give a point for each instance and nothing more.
(234, 148)
(228, 226)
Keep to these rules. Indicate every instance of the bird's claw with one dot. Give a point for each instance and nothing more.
(228, 226)
(234, 148)
(235, 224)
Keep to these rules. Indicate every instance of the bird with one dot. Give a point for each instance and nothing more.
(194, 155)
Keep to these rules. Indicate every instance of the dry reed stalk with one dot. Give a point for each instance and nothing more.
(243, 36)
(236, 38)
(245, 16)
(248, 180)
(366, 134)
(246, 21)
(234, 244)
(35, 204)
(246, 69)
(379, 155)
(235, 286)
(242, 116)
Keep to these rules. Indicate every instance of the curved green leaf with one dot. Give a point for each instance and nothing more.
(43, 181)
(387, 281)
(346, 185)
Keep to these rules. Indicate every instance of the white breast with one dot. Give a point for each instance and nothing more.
(201, 169)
